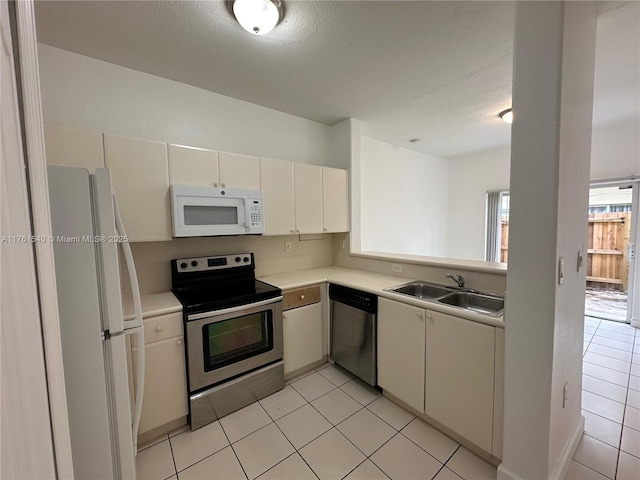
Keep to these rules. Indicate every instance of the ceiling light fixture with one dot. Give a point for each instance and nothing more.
(258, 17)
(506, 116)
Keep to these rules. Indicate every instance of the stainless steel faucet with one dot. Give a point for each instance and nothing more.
(459, 279)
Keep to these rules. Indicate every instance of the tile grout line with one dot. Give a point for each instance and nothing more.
(633, 348)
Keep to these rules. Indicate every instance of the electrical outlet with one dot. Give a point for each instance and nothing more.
(565, 395)
(287, 247)
(396, 267)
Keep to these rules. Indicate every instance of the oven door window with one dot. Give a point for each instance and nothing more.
(236, 339)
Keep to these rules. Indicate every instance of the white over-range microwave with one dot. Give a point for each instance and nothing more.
(199, 211)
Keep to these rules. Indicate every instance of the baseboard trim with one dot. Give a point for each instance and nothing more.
(505, 474)
(569, 449)
(561, 467)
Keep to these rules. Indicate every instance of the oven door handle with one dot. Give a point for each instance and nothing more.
(198, 316)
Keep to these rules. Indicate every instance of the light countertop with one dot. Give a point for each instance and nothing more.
(373, 283)
(154, 304)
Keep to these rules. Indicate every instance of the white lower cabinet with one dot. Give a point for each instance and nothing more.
(459, 380)
(302, 331)
(302, 328)
(401, 351)
(165, 385)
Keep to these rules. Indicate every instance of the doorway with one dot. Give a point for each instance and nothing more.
(612, 231)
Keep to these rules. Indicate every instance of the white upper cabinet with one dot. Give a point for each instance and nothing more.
(335, 200)
(140, 174)
(193, 166)
(73, 148)
(276, 178)
(239, 171)
(308, 198)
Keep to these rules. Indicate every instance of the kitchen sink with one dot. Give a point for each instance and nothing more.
(472, 300)
(421, 290)
(477, 302)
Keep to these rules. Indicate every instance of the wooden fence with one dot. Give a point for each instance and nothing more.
(608, 249)
(608, 244)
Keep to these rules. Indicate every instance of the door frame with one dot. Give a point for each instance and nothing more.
(633, 295)
(28, 75)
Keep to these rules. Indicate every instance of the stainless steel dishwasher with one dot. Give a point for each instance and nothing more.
(353, 331)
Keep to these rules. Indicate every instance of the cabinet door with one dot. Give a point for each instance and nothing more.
(73, 148)
(239, 171)
(302, 332)
(401, 330)
(308, 198)
(165, 383)
(460, 376)
(193, 166)
(276, 180)
(335, 200)
(139, 169)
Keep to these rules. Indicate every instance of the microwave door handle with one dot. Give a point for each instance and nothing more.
(247, 213)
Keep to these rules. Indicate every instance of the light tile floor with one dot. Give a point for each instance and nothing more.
(326, 424)
(610, 446)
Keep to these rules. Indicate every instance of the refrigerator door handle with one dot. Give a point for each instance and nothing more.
(133, 326)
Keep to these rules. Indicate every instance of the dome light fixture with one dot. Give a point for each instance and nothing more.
(506, 116)
(258, 17)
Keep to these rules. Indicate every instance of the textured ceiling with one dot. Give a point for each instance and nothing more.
(437, 71)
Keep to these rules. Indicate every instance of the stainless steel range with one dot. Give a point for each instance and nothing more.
(233, 332)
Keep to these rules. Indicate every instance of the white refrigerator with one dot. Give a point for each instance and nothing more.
(86, 234)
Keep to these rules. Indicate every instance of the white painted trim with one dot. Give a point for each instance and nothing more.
(505, 474)
(39, 192)
(569, 449)
(564, 461)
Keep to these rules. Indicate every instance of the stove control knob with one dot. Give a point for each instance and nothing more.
(246, 259)
(183, 265)
(238, 259)
(194, 263)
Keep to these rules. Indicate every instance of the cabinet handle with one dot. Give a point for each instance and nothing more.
(215, 185)
(301, 297)
(293, 231)
(419, 314)
(429, 316)
(325, 229)
(284, 315)
(158, 329)
(223, 185)
(178, 342)
(297, 231)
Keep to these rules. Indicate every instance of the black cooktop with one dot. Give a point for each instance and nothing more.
(206, 284)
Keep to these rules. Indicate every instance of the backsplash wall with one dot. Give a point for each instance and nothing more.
(152, 259)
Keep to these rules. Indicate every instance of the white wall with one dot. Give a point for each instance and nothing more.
(554, 56)
(470, 178)
(615, 153)
(89, 94)
(403, 200)
(615, 149)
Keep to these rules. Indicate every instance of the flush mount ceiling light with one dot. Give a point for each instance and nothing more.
(506, 116)
(258, 17)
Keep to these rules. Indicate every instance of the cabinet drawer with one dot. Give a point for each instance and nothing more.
(300, 297)
(161, 328)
